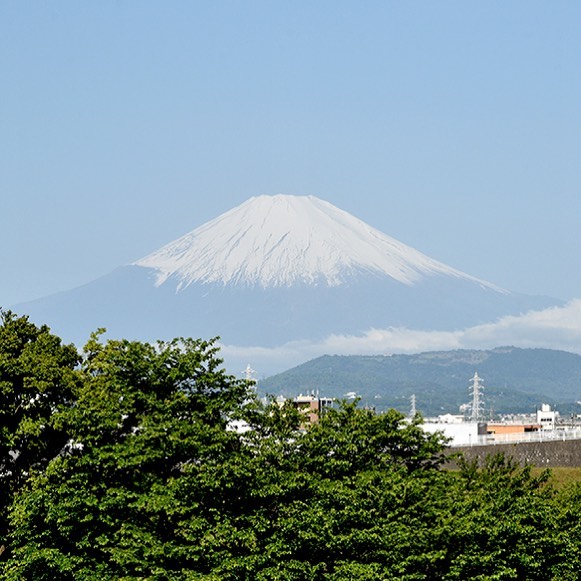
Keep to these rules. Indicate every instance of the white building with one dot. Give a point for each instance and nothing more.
(459, 432)
(546, 417)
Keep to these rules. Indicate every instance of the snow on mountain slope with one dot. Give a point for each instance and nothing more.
(283, 241)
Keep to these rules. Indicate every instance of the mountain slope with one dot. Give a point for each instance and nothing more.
(515, 380)
(278, 269)
(283, 241)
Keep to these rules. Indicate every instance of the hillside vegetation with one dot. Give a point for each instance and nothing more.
(515, 380)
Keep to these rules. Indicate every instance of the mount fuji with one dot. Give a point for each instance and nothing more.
(277, 269)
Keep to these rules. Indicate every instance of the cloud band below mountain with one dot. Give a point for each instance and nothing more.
(552, 328)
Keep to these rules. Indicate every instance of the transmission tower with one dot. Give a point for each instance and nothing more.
(413, 410)
(249, 373)
(477, 405)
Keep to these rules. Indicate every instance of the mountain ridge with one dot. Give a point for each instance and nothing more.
(515, 379)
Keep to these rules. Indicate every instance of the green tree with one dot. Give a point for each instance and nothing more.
(37, 378)
(359, 499)
(150, 481)
(503, 524)
(145, 418)
(566, 557)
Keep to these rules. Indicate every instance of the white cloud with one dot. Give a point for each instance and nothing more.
(553, 328)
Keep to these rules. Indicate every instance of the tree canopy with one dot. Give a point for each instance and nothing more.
(37, 380)
(121, 462)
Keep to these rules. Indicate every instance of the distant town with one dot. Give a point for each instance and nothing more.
(471, 427)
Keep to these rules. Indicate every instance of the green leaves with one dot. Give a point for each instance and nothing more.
(120, 463)
(349, 439)
(37, 378)
(139, 415)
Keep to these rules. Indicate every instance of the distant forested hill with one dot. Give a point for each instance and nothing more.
(515, 380)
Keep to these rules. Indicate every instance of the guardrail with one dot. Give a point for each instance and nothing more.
(523, 437)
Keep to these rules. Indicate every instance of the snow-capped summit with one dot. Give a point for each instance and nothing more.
(284, 240)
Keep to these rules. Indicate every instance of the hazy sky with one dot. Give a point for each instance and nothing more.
(453, 126)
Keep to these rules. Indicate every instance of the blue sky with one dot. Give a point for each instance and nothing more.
(452, 126)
